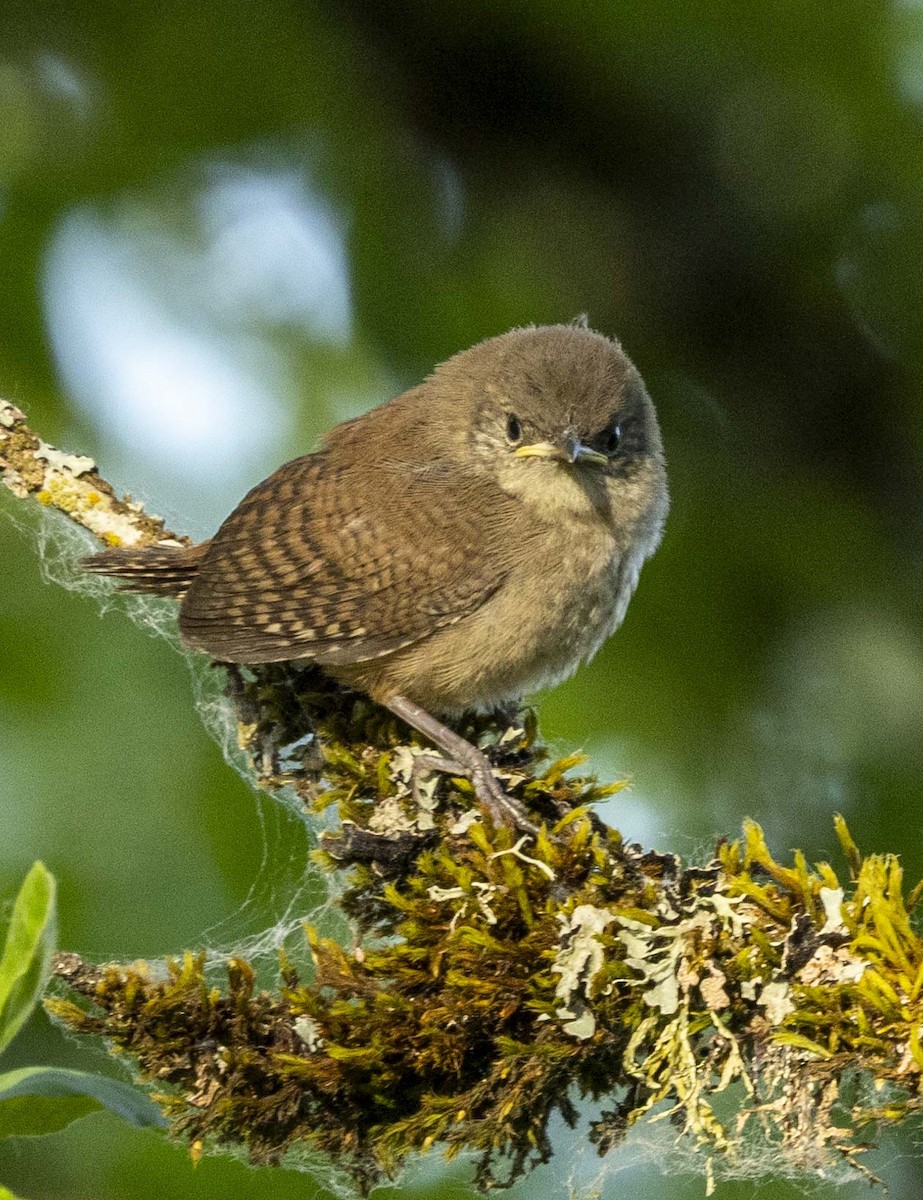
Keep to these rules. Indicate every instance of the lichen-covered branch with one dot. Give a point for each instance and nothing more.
(500, 978)
(508, 979)
(71, 484)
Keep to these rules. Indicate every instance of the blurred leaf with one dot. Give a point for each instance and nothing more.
(6, 1194)
(32, 1116)
(30, 943)
(38, 1100)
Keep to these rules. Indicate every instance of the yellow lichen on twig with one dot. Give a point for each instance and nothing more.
(71, 484)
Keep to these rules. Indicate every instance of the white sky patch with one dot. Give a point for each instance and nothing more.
(639, 817)
(187, 394)
(450, 196)
(278, 249)
(908, 49)
(68, 82)
(166, 330)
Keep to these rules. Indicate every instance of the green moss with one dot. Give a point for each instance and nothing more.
(502, 976)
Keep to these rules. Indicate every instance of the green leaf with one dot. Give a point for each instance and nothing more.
(34, 1116)
(38, 1100)
(30, 943)
(6, 1194)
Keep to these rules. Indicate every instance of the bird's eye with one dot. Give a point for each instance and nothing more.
(513, 429)
(613, 439)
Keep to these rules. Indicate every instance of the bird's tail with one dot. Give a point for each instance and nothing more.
(157, 570)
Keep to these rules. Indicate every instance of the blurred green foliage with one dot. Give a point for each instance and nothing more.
(38, 1100)
(225, 226)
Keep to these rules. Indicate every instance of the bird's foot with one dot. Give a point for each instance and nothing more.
(462, 758)
(504, 808)
(499, 803)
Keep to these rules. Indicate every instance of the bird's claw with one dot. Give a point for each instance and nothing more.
(504, 808)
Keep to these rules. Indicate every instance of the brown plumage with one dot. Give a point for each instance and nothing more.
(157, 570)
(473, 539)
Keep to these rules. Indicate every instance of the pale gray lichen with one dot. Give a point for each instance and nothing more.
(416, 786)
(577, 962)
(10, 415)
(832, 900)
(309, 1032)
(776, 999)
(655, 953)
(60, 460)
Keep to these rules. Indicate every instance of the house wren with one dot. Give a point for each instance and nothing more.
(471, 540)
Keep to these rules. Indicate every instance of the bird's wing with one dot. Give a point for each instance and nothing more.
(342, 565)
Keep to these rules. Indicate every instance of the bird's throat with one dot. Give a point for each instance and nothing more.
(555, 489)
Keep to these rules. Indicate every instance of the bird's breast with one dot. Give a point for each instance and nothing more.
(566, 591)
(570, 597)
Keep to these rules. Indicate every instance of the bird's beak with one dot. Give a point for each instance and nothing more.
(570, 450)
(539, 450)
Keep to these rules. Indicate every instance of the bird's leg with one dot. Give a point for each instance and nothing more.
(463, 759)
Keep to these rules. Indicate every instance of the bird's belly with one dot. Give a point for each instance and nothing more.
(578, 611)
(534, 632)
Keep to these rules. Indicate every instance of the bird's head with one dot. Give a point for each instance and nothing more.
(562, 419)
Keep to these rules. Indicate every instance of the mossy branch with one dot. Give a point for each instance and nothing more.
(502, 977)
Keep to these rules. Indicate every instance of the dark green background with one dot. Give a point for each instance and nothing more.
(733, 189)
